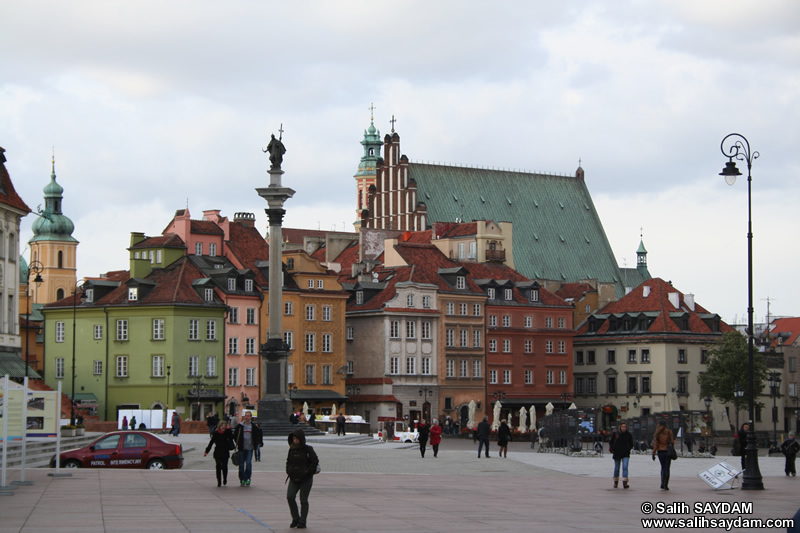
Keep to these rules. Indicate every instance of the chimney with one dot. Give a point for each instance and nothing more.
(688, 299)
(675, 299)
(646, 291)
(248, 220)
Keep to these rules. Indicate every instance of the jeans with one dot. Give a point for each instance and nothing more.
(481, 443)
(663, 458)
(245, 464)
(422, 444)
(624, 462)
(257, 453)
(291, 492)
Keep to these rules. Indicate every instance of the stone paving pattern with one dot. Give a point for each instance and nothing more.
(387, 488)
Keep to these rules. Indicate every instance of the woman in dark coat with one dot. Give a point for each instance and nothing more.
(621, 445)
(301, 465)
(222, 440)
(424, 432)
(503, 438)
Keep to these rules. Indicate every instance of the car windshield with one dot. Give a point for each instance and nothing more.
(108, 443)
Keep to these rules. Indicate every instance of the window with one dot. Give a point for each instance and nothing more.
(477, 368)
(98, 331)
(394, 365)
(326, 313)
(509, 294)
(426, 302)
(248, 285)
(310, 312)
(198, 248)
(410, 300)
(288, 308)
(528, 346)
(233, 345)
(492, 321)
(194, 329)
(461, 282)
(289, 372)
(645, 384)
(476, 338)
(450, 337)
(211, 366)
(463, 368)
(611, 384)
(632, 382)
(562, 377)
(463, 309)
(451, 308)
(562, 322)
(426, 330)
(311, 284)
(550, 377)
(250, 377)
(211, 330)
(792, 390)
(251, 315)
(682, 385)
(209, 295)
(528, 321)
(233, 316)
(506, 321)
(534, 295)
(122, 330)
(631, 356)
(194, 365)
(451, 368)
(578, 385)
(158, 329)
(88, 295)
(349, 332)
(310, 342)
(611, 357)
(562, 346)
(476, 309)
(426, 365)
(320, 283)
(492, 345)
(359, 297)
(288, 338)
(133, 294)
(464, 334)
(98, 368)
(549, 347)
(59, 367)
(507, 377)
(411, 365)
(394, 330)
(704, 357)
(327, 344)
(231, 284)
(250, 346)
(681, 356)
(349, 368)
(490, 293)
(122, 366)
(310, 374)
(579, 357)
(59, 332)
(212, 249)
(411, 329)
(158, 366)
(792, 364)
(493, 377)
(506, 345)
(646, 355)
(548, 322)
(326, 373)
(591, 385)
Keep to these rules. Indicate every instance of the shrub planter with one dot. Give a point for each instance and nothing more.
(68, 432)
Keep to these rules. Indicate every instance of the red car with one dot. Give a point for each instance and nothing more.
(124, 449)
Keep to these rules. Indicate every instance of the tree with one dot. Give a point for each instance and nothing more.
(728, 366)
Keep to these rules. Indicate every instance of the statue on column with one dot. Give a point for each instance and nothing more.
(276, 150)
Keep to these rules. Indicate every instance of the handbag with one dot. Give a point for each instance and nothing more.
(235, 458)
(671, 452)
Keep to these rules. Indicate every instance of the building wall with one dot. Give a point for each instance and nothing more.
(55, 278)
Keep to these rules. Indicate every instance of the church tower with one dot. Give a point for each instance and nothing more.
(641, 260)
(54, 246)
(366, 168)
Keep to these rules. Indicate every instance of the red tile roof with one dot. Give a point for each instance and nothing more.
(248, 246)
(789, 326)
(8, 195)
(574, 290)
(170, 240)
(206, 227)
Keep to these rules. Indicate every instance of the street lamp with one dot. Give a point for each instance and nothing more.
(426, 392)
(739, 148)
(565, 397)
(33, 267)
(738, 392)
(166, 404)
(198, 386)
(707, 401)
(774, 382)
(74, 323)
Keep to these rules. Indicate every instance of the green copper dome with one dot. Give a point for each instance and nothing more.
(52, 225)
(372, 151)
(23, 270)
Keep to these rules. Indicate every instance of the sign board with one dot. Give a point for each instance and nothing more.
(720, 476)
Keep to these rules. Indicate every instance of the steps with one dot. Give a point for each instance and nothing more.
(39, 452)
(282, 429)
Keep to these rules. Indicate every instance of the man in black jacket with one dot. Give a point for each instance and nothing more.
(483, 432)
(301, 465)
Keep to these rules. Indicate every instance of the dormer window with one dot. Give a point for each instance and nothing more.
(534, 295)
(461, 282)
(248, 285)
(359, 297)
(426, 302)
(209, 295)
(509, 294)
(231, 284)
(290, 263)
(490, 293)
(133, 294)
(88, 295)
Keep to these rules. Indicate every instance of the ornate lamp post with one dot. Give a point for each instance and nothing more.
(74, 329)
(774, 381)
(738, 393)
(426, 392)
(166, 403)
(707, 401)
(738, 148)
(34, 267)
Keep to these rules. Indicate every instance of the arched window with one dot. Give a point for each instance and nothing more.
(60, 259)
(60, 293)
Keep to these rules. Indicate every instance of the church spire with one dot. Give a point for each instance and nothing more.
(52, 225)
(641, 255)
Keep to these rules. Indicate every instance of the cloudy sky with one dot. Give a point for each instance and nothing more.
(151, 106)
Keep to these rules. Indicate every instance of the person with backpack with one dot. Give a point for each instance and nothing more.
(621, 445)
(301, 465)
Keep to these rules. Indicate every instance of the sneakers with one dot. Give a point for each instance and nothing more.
(241, 482)
(247, 482)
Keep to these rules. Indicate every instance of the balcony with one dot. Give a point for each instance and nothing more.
(496, 255)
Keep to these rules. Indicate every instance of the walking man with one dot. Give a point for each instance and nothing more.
(483, 432)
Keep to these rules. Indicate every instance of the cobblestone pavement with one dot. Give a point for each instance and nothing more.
(386, 488)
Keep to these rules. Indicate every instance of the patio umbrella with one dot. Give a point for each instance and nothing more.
(548, 409)
(306, 411)
(496, 415)
(572, 406)
(471, 419)
(522, 420)
(333, 412)
(533, 416)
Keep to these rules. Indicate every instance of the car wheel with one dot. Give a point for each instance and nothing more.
(157, 464)
(407, 441)
(72, 463)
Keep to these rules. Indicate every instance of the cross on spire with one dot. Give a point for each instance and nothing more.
(280, 131)
(372, 111)
(393, 121)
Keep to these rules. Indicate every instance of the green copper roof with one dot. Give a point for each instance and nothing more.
(557, 231)
(372, 150)
(641, 249)
(52, 225)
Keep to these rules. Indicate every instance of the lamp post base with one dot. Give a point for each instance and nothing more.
(752, 480)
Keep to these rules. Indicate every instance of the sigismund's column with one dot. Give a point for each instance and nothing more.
(274, 405)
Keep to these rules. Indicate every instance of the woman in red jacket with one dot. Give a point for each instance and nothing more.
(436, 437)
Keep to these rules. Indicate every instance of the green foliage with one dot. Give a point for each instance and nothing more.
(728, 366)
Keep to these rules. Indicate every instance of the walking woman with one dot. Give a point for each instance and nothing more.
(424, 432)
(301, 465)
(436, 437)
(621, 445)
(222, 440)
(503, 438)
(661, 441)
